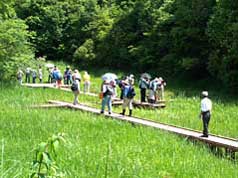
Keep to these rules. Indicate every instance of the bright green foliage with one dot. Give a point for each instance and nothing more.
(84, 54)
(15, 50)
(168, 37)
(6, 9)
(44, 164)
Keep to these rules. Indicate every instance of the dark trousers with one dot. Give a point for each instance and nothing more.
(33, 79)
(28, 78)
(121, 95)
(142, 94)
(206, 118)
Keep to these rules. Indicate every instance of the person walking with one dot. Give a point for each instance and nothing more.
(206, 108)
(128, 95)
(86, 84)
(108, 90)
(75, 89)
(77, 76)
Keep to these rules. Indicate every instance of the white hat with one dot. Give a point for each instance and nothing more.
(204, 93)
(160, 79)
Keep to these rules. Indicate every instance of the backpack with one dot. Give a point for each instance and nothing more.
(109, 92)
(131, 93)
(74, 86)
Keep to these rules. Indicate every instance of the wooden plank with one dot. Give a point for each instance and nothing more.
(49, 106)
(140, 105)
(116, 101)
(50, 85)
(220, 141)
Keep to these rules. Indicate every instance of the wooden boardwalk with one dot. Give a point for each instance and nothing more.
(140, 105)
(116, 101)
(230, 144)
(50, 85)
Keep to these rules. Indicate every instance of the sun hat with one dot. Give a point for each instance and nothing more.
(204, 93)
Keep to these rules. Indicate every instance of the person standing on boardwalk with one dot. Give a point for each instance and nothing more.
(20, 76)
(143, 85)
(77, 76)
(206, 108)
(108, 90)
(75, 89)
(40, 74)
(67, 76)
(128, 95)
(28, 75)
(34, 75)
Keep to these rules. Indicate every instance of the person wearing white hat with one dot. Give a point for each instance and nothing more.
(128, 95)
(108, 91)
(161, 85)
(206, 108)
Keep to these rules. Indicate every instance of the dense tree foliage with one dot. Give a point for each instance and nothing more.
(193, 37)
(15, 50)
(223, 35)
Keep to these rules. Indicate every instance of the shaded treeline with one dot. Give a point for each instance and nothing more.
(171, 37)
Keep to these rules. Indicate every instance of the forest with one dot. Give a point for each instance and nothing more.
(171, 37)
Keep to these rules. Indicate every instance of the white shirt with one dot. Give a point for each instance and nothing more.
(206, 104)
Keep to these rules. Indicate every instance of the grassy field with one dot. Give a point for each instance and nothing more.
(98, 147)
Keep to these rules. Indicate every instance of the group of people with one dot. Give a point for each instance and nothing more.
(108, 89)
(30, 73)
(155, 87)
(54, 76)
(69, 78)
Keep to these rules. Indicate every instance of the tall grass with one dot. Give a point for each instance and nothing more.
(98, 147)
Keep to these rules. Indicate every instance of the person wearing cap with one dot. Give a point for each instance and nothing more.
(75, 90)
(108, 90)
(153, 85)
(128, 95)
(77, 76)
(206, 108)
(161, 85)
(20, 76)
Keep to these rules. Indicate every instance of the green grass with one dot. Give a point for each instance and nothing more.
(99, 147)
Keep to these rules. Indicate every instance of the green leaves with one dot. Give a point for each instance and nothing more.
(14, 47)
(44, 164)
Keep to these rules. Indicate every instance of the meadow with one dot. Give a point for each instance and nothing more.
(99, 147)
